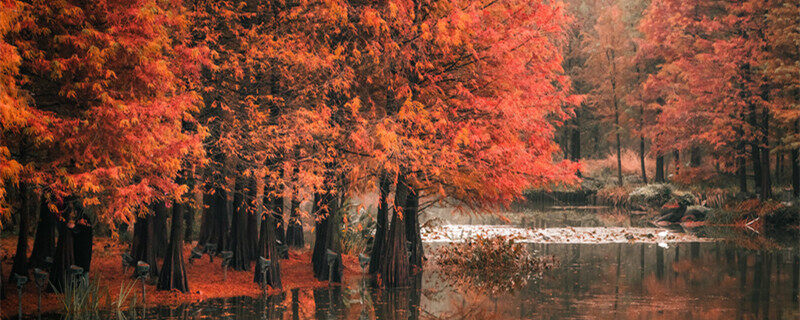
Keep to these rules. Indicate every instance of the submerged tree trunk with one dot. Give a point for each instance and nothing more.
(395, 264)
(20, 265)
(660, 169)
(44, 242)
(381, 224)
(173, 271)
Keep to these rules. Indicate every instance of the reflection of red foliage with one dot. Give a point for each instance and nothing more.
(205, 278)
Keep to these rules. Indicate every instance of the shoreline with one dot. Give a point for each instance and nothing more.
(206, 279)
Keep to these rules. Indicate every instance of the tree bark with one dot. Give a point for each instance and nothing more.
(381, 224)
(267, 247)
(238, 245)
(660, 169)
(142, 248)
(677, 155)
(294, 229)
(395, 264)
(795, 173)
(641, 159)
(64, 255)
(173, 271)
(83, 239)
(741, 171)
(766, 184)
(44, 242)
(411, 215)
(159, 221)
(325, 238)
(575, 140)
(20, 265)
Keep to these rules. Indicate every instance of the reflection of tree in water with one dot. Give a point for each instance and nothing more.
(491, 265)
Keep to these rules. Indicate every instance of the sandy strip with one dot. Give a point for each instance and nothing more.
(457, 233)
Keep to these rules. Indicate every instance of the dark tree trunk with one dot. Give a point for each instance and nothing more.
(189, 212)
(660, 169)
(280, 227)
(142, 248)
(83, 239)
(766, 183)
(294, 229)
(575, 140)
(755, 152)
(207, 219)
(173, 271)
(64, 256)
(253, 220)
(741, 171)
(641, 159)
(159, 220)
(381, 224)
(20, 265)
(239, 240)
(694, 157)
(325, 238)
(267, 248)
(44, 243)
(411, 216)
(395, 264)
(795, 173)
(677, 155)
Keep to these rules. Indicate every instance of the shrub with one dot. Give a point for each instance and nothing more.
(491, 264)
(651, 195)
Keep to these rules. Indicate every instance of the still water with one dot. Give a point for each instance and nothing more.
(745, 275)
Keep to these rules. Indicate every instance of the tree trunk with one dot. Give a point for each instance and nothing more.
(294, 229)
(795, 173)
(64, 255)
(159, 221)
(207, 219)
(741, 171)
(173, 271)
(44, 242)
(641, 159)
(381, 224)
(660, 169)
(411, 216)
(20, 265)
(267, 247)
(694, 157)
(142, 248)
(253, 218)
(83, 238)
(280, 231)
(677, 155)
(766, 184)
(575, 140)
(325, 238)
(395, 264)
(238, 245)
(619, 160)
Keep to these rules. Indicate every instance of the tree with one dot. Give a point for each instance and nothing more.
(609, 58)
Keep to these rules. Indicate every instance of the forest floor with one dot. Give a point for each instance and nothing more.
(206, 279)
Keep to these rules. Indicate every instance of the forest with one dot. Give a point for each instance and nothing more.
(181, 151)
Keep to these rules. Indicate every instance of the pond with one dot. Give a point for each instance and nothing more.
(739, 275)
